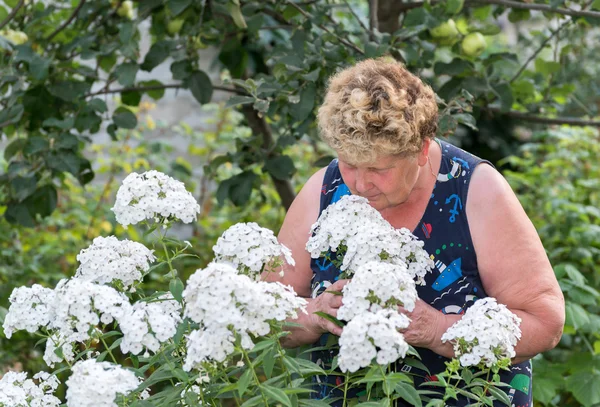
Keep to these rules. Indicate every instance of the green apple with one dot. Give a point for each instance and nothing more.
(16, 37)
(473, 44)
(174, 26)
(445, 30)
(126, 10)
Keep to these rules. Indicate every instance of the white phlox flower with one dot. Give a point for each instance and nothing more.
(16, 390)
(31, 308)
(363, 235)
(224, 302)
(375, 286)
(372, 335)
(153, 195)
(80, 305)
(148, 324)
(248, 247)
(487, 333)
(97, 384)
(109, 259)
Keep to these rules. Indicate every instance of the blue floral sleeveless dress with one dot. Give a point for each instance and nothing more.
(452, 287)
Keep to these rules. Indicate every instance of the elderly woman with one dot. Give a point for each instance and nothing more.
(382, 120)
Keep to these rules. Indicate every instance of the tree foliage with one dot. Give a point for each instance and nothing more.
(61, 61)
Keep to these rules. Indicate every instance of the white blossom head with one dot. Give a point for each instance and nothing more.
(148, 324)
(16, 390)
(375, 286)
(79, 306)
(355, 231)
(97, 384)
(226, 304)
(372, 335)
(31, 308)
(154, 195)
(485, 335)
(218, 295)
(110, 260)
(249, 247)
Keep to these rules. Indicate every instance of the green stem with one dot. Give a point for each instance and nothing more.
(386, 393)
(168, 258)
(346, 379)
(250, 366)
(237, 403)
(109, 351)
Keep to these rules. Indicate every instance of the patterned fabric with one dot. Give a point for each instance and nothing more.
(452, 287)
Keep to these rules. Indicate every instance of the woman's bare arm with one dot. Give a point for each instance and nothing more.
(512, 264)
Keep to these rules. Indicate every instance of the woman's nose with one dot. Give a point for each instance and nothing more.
(362, 183)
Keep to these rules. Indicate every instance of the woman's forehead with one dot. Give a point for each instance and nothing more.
(378, 161)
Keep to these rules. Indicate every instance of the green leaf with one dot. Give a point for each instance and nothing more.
(181, 69)
(201, 87)
(500, 395)
(38, 68)
(576, 316)
(504, 92)
(269, 361)
(455, 67)
(585, 386)
(63, 161)
(131, 98)
(24, 186)
(157, 93)
(11, 115)
(69, 91)
(124, 118)
(237, 188)
(466, 119)
(330, 318)
(176, 288)
(547, 67)
(276, 394)
(280, 167)
(244, 381)
(156, 55)
(36, 145)
(178, 6)
(446, 126)
(126, 73)
(239, 100)
(408, 393)
(61, 124)
(454, 6)
(306, 104)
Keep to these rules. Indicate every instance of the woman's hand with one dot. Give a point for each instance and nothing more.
(327, 303)
(427, 327)
(424, 320)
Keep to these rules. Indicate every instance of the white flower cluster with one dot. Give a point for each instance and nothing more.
(153, 195)
(58, 341)
(80, 305)
(250, 246)
(375, 286)
(487, 333)
(224, 303)
(96, 384)
(109, 259)
(372, 335)
(30, 308)
(16, 390)
(355, 224)
(148, 324)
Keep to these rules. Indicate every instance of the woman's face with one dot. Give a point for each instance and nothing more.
(387, 182)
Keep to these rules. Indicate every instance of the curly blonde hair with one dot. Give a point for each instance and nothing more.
(377, 107)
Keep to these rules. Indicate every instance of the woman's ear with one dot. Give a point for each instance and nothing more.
(423, 156)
